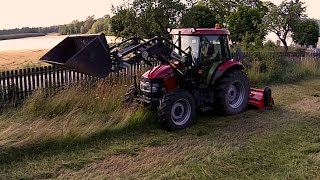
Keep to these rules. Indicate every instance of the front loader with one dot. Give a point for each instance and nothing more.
(195, 73)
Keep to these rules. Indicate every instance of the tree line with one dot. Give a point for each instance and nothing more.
(248, 20)
(90, 25)
(44, 30)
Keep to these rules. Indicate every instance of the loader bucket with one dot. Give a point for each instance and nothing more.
(85, 54)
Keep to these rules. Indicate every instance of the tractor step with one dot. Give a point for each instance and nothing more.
(206, 109)
(142, 99)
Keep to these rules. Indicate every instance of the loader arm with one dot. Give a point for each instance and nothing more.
(91, 54)
(157, 48)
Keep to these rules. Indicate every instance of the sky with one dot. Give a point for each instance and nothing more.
(39, 13)
(21, 13)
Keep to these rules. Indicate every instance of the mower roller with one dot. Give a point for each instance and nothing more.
(196, 72)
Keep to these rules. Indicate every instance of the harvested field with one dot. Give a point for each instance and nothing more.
(20, 59)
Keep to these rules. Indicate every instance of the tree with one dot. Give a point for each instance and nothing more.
(280, 20)
(155, 16)
(88, 24)
(223, 8)
(190, 3)
(199, 16)
(123, 23)
(75, 27)
(64, 30)
(246, 26)
(306, 33)
(101, 25)
(147, 18)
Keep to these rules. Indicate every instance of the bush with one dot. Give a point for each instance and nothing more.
(263, 70)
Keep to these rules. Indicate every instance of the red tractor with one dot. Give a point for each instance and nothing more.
(195, 73)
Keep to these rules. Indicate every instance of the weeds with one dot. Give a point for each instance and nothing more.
(279, 70)
(73, 113)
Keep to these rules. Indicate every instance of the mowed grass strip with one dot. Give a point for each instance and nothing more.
(67, 138)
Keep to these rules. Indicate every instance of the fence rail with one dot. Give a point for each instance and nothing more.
(16, 85)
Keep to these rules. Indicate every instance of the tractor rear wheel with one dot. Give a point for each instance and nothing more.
(177, 110)
(232, 92)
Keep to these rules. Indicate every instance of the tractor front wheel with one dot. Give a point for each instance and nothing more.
(177, 110)
(130, 95)
(232, 92)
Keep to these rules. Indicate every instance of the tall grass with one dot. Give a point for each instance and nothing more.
(268, 70)
(74, 113)
(81, 111)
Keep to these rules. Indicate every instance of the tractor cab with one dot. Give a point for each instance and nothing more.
(209, 48)
(205, 44)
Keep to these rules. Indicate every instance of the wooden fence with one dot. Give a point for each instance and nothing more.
(16, 85)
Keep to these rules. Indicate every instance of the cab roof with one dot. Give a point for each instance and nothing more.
(200, 31)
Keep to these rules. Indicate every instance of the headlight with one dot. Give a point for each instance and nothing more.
(145, 86)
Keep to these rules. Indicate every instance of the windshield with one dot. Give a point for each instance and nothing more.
(192, 42)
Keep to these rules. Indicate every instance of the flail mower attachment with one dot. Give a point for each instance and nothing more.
(85, 54)
(261, 98)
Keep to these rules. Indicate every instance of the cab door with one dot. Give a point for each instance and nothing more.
(210, 55)
(214, 49)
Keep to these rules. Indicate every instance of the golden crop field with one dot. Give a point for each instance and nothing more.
(16, 59)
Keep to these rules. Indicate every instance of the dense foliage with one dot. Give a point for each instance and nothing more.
(246, 25)
(248, 20)
(199, 16)
(90, 25)
(306, 33)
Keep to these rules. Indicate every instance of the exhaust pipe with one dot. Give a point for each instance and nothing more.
(85, 54)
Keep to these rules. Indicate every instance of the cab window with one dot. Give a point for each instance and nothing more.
(211, 48)
(215, 48)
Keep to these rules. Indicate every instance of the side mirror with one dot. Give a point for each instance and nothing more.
(239, 56)
(210, 50)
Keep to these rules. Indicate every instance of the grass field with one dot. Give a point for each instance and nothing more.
(20, 59)
(65, 138)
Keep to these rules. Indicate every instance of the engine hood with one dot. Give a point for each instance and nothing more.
(159, 72)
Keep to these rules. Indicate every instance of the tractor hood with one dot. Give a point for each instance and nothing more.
(159, 72)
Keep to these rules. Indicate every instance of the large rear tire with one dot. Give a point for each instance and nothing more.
(232, 92)
(177, 110)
